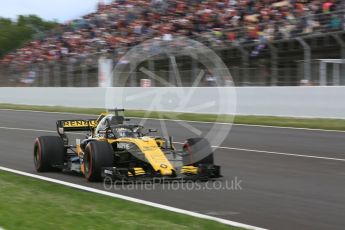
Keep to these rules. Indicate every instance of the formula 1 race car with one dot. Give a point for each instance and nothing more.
(116, 149)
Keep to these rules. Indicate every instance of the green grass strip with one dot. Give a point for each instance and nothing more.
(28, 203)
(313, 123)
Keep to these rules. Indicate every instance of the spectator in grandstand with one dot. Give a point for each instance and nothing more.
(115, 27)
(335, 23)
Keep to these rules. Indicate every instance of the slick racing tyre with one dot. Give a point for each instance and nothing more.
(49, 152)
(98, 154)
(197, 151)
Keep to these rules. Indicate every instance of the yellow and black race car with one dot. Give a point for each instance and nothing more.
(117, 149)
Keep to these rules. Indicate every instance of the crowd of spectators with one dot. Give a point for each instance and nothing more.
(115, 27)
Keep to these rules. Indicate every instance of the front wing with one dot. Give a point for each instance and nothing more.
(202, 172)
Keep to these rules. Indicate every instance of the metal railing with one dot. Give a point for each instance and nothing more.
(57, 74)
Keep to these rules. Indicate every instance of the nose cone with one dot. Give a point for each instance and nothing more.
(165, 170)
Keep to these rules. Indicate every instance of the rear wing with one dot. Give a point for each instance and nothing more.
(76, 125)
(63, 126)
(90, 125)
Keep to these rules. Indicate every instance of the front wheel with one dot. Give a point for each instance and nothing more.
(198, 151)
(98, 154)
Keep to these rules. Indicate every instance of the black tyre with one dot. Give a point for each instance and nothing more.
(197, 151)
(49, 152)
(98, 154)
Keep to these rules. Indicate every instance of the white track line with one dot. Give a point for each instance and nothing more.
(245, 125)
(48, 112)
(280, 153)
(32, 130)
(201, 122)
(135, 200)
(272, 152)
(218, 147)
(292, 128)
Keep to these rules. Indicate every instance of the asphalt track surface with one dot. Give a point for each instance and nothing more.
(277, 190)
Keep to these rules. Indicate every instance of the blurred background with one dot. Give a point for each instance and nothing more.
(262, 42)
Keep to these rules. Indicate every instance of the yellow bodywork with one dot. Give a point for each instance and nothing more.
(154, 155)
(189, 170)
(137, 172)
(150, 147)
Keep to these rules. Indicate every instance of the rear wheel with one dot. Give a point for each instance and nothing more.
(98, 154)
(49, 153)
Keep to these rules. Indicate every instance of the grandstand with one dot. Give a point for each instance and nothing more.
(262, 42)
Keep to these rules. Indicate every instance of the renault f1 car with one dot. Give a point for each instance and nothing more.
(114, 148)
